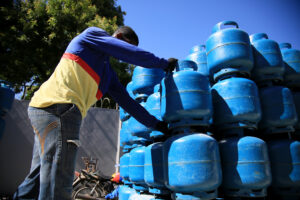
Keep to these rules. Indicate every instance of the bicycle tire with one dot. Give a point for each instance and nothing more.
(85, 191)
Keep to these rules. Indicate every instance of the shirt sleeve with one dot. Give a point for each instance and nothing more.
(120, 95)
(99, 40)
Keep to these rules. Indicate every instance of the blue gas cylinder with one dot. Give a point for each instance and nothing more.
(129, 89)
(137, 141)
(278, 110)
(125, 141)
(179, 196)
(185, 97)
(154, 171)
(144, 79)
(122, 138)
(153, 107)
(245, 166)
(296, 95)
(131, 140)
(137, 128)
(197, 48)
(125, 134)
(123, 114)
(198, 55)
(268, 63)
(141, 196)
(291, 58)
(134, 140)
(136, 167)
(285, 165)
(192, 165)
(236, 104)
(7, 96)
(125, 192)
(124, 162)
(228, 51)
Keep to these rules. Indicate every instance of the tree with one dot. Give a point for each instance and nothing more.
(37, 33)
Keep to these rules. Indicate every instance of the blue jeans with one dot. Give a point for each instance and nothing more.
(54, 153)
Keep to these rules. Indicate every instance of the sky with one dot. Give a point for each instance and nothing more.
(170, 28)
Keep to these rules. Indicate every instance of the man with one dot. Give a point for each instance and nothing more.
(82, 77)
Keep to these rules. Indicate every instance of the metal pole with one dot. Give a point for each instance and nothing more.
(118, 147)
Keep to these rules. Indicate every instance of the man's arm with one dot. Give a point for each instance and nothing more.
(99, 40)
(120, 95)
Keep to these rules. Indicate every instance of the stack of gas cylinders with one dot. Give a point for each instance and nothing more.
(231, 107)
(7, 96)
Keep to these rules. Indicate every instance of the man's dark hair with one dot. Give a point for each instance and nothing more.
(128, 33)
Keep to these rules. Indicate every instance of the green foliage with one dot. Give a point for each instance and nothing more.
(37, 32)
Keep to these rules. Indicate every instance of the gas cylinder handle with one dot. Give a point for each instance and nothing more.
(186, 65)
(219, 25)
(258, 36)
(157, 88)
(285, 45)
(202, 47)
(198, 48)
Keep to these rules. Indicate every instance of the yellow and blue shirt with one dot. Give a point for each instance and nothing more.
(84, 74)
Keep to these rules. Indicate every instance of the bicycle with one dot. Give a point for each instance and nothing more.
(91, 184)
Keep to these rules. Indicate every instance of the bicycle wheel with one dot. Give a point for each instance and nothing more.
(107, 187)
(78, 183)
(86, 191)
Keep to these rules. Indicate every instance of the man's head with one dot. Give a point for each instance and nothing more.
(127, 34)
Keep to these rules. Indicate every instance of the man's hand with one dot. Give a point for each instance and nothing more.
(162, 127)
(173, 62)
